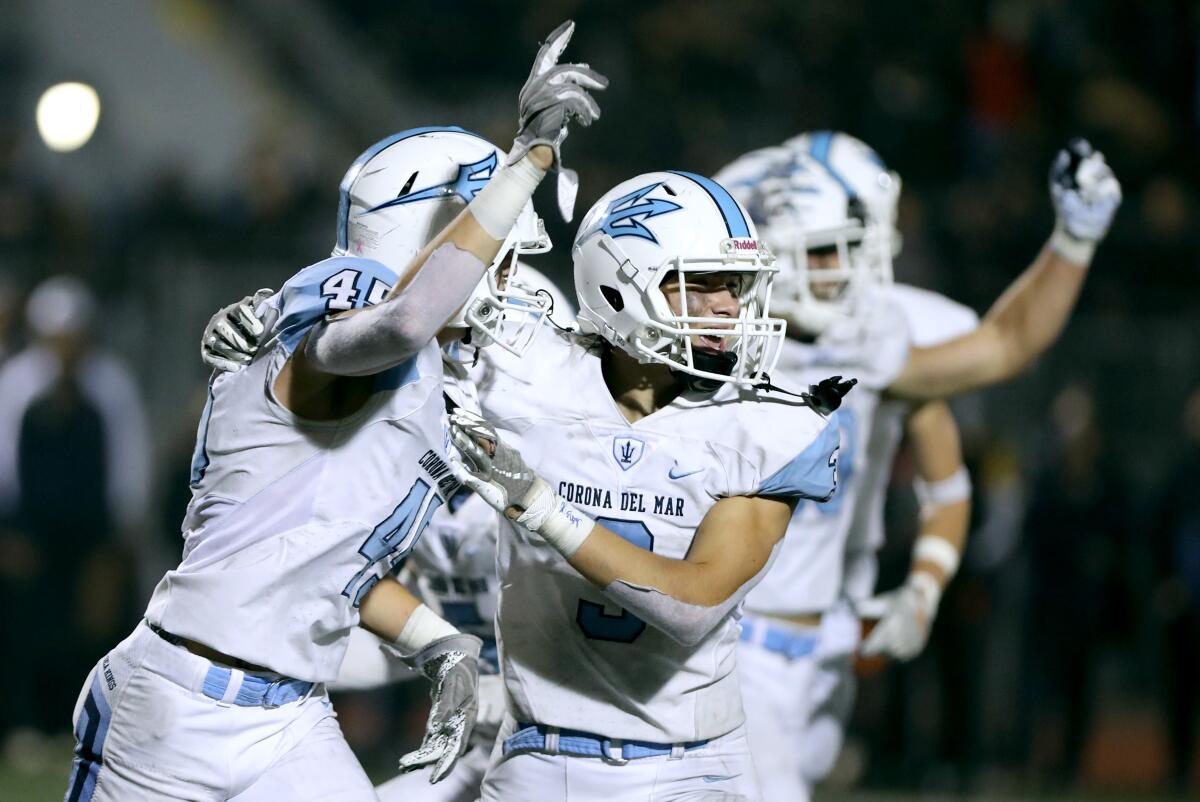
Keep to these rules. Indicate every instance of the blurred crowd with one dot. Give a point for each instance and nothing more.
(1067, 648)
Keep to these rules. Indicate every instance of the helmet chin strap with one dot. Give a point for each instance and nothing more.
(721, 362)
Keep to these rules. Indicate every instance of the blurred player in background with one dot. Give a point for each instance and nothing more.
(71, 416)
(294, 528)
(827, 204)
(649, 471)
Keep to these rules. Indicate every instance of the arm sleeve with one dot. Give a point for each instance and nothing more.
(688, 624)
(392, 331)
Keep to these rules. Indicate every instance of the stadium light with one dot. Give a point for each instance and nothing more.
(67, 114)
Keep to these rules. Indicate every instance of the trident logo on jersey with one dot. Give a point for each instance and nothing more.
(470, 179)
(627, 451)
(626, 213)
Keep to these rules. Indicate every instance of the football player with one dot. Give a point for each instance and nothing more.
(676, 451)
(316, 469)
(827, 204)
(453, 571)
(649, 471)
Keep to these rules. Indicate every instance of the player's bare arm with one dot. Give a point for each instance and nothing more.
(943, 488)
(944, 492)
(732, 545)
(1032, 312)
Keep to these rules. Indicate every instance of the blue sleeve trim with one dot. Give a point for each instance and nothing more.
(813, 473)
(330, 286)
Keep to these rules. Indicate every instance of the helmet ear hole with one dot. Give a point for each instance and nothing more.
(613, 297)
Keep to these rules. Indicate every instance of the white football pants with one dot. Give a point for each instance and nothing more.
(719, 771)
(144, 731)
(797, 708)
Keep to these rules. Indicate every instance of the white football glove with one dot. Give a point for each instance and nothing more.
(233, 335)
(905, 617)
(493, 469)
(554, 95)
(452, 666)
(1086, 196)
(498, 473)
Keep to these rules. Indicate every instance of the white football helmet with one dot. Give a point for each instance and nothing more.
(403, 190)
(828, 192)
(661, 223)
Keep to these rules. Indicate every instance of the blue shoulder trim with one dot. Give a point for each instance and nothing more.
(813, 473)
(333, 285)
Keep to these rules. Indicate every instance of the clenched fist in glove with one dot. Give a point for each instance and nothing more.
(498, 473)
(233, 335)
(904, 615)
(1086, 195)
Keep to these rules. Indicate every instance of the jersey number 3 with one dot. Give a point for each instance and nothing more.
(599, 625)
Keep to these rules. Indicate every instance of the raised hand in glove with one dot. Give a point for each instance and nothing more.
(452, 666)
(553, 96)
(234, 334)
(905, 617)
(1086, 196)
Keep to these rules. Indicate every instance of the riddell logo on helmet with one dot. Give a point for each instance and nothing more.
(743, 245)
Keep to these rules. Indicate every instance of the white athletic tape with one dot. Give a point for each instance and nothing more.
(557, 521)
(1078, 251)
(928, 587)
(954, 488)
(937, 551)
(423, 627)
(499, 203)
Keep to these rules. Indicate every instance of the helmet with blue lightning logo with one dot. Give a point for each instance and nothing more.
(674, 224)
(403, 190)
(826, 204)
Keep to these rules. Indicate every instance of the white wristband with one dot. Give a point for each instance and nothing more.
(423, 627)
(929, 588)
(500, 202)
(939, 552)
(954, 488)
(1078, 251)
(555, 519)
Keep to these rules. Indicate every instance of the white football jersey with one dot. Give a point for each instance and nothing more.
(453, 570)
(932, 319)
(807, 574)
(292, 521)
(570, 657)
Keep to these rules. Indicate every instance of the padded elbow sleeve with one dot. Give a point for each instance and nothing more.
(684, 622)
(388, 333)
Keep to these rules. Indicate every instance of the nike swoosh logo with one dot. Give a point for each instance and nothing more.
(719, 778)
(680, 474)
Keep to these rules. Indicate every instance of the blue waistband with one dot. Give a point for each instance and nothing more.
(532, 738)
(255, 691)
(777, 639)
